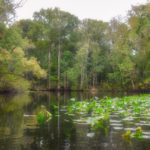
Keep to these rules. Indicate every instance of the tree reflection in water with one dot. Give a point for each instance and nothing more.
(19, 129)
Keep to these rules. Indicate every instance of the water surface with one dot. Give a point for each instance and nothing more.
(19, 129)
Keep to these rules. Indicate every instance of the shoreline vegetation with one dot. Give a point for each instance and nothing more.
(57, 51)
(88, 90)
(69, 90)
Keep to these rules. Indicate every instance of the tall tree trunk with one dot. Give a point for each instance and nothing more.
(65, 81)
(82, 79)
(121, 75)
(133, 86)
(94, 79)
(49, 64)
(59, 60)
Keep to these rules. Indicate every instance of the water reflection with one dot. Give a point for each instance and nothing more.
(19, 129)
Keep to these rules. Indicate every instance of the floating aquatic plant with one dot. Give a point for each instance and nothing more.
(138, 134)
(96, 111)
(43, 116)
(128, 135)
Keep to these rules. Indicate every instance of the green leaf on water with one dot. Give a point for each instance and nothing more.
(40, 118)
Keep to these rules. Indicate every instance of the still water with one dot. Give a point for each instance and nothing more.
(19, 129)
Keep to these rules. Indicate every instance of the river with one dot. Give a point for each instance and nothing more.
(19, 129)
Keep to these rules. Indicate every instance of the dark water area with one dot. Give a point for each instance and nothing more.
(19, 129)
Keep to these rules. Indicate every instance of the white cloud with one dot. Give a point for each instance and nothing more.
(95, 9)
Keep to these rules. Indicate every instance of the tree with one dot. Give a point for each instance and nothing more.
(121, 55)
(7, 10)
(13, 67)
(58, 27)
(94, 33)
(139, 23)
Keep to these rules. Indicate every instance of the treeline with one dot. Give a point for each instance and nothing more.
(18, 71)
(76, 54)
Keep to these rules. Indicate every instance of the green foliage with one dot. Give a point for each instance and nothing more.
(40, 118)
(138, 134)
(128, 135)
(95, 112)
(6, 10)
(43, 116)
(13, 67)
(80, 54)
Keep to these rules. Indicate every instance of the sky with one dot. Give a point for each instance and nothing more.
(94, 9)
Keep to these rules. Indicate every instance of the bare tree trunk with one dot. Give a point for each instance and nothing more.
(82, 79)
(133, 86)
(121, 78)
(49, 63)
(65, 81)
(59, 60)
(94, 79)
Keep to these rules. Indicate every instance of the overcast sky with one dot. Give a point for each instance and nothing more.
(94, 9)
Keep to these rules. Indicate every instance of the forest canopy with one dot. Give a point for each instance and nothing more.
(74, 54)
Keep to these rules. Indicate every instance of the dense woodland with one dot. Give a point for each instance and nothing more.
(56, 50)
